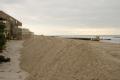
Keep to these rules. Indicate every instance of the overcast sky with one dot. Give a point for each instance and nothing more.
(66, 17)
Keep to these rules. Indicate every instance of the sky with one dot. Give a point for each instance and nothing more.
(66, 17)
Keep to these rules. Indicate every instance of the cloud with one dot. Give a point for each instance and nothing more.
(12, 1)
(69, 12)
(65, 13)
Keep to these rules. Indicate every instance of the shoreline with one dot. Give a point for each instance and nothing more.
(103, 38)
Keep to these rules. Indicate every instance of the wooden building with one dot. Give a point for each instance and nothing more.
(12, 29)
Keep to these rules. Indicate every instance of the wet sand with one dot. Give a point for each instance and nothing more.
(12, 70)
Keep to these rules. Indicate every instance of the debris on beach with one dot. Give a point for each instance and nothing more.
(3, 59)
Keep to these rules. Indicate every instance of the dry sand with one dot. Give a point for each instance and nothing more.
(49, 58)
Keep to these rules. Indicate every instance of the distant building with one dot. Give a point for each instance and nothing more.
(12, 29)
(26, 33)
(19, 32)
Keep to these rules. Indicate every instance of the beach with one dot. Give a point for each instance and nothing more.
(59, 40)
(56, 58)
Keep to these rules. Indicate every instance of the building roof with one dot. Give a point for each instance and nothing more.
(8, 17)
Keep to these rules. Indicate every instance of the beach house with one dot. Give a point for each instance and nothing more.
(12, 26)
(26, 33)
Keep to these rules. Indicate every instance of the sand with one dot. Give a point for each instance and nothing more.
(54, 58)
(11, 70)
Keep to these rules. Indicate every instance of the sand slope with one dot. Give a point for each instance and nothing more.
(48, 58)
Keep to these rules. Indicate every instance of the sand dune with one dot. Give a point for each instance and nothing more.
(49, 58)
